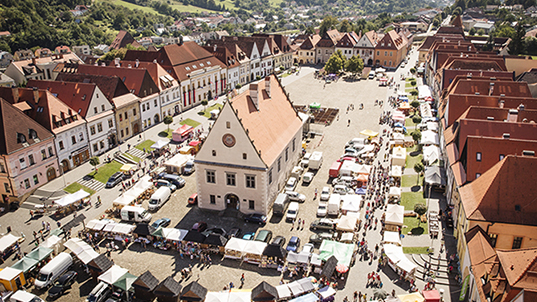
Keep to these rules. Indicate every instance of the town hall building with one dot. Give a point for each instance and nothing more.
(250, 150)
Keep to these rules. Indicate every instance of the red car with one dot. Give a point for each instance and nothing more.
(193, 199)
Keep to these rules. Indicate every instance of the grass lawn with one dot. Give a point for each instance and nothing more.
(410, 79)
(192, 9)
(146, 9)
(105, 171)
(409, 199)
(410, 224)
(190, 122)
(145, 144)
(411, 180)
(412, 157)
(74, 187)
(135, 158)
(285, 74)
(408, 84)
(415, 250)
(166, 133)
(207, 112)
(409, 122)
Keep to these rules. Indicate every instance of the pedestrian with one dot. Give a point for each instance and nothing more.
(31, 214)
(43, 224)
(348, 123)
(303, 223)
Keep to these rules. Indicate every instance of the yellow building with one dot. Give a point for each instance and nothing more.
(501, 202)
(127, 113)
(12, 279)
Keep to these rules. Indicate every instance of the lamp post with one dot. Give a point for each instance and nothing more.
(63, 175)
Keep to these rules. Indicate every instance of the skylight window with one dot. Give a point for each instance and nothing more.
(39, 109)
(201, 64)
(194, 66)
(208, 62)
(187, 68)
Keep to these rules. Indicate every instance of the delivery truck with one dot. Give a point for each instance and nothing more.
(316, 160)
(135, 214)
(334, 169)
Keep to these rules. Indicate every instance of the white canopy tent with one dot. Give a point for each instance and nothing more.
(81, 249)
(346, 168)
(235, 248)
(326, 292)
(295, 288)
(362, 169)
(366, 149)
(222, 296)
(159, 144)
(347, 237)
(398, 138)
(72, 198)
(395, 214)
(351, 202)
(97, 225)
(7, 241)
(431, 154)
(283, 292)
(391, 238)
(395, 192)
(429, 137)
(425, 110)
(399, 259)
(396, 171)
(177, 162)
(315, 260)
(424, 91)
(142, 185)
(398, 156)
(113, 274)
(254, 247)
(174, 234)
(294, 258)
(347, 223)
(432, 126)
(123, 228)
(109, 227)
(53, 242)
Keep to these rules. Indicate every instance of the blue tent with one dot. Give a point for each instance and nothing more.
(311, 297)
(360, 191)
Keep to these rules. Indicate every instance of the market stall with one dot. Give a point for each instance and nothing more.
(264, 292)
(347, 223)
(429, 137)
(342, 251)
(53, 242)
(128, 168)
(398, 156)
(144, 286)
(431, 154)
(351, 203)
(113, 274)
(396, 172)
(234, 248)
(40, 253)
(392, 238)
(83, 251)
(253, 251)
(326, 292)
(159, 144)
(369, 133)
(425, 110)
(398, 139)
(394, 217)
(25, 265)
(215, 243)
(8, 244)
(424, 91)
(394, 193)
(362, 169)
(413, 297)
(193, 292)
(68, 203)
(431, 295)
(177, 162)
(399, 262)
(284, 292)
(97, 225)
(174, 234)
(168, 290)
(12, 279)
(435, 176)
(140, 191)
(274, 256)
(182, 133)
(125, 284)
(99, 265)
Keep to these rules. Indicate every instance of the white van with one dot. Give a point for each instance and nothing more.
(372, 74)
(159, 198)
(316, 160)
(136, 214)
(292, 211)
(333, 204)
(99, 293)
(22, 296)
(53, 270)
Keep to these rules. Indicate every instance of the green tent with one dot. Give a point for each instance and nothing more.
(125, 282)
(158, 233)
(342, 251)
(56, 232)
(25, 264)
(40, 253)
(315, 105)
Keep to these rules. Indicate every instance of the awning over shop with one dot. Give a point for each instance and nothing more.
(7, 241)
(398, 258)
(97, 225)
(125, 282)
(113, 274)
(174, 234)
(72, 198)
(396, 171)
(435, 175)
(395, 214)
(81, 249)
(399, 156)
(127, 167)
(123, 228)
(40, 253)
(342, 251)
(235, 246)
(429, 137)
(293, 257)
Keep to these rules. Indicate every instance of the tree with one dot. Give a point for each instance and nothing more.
(420, 209)
(413, 82)
(309, 30)
(416, 135)
(480, 32)
(334, 64)
(416, 119)
(355, 64)
(472, 31)
(329, 22)
(415, 105)
(345, 26)
(412, 70)
(94, 161)
(204, 103)
(516, 46)
(168, 119)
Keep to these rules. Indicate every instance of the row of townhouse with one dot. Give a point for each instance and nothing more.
(488, 139)
(376, 49)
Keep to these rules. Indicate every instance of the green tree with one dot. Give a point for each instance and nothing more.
(412, 70)
(472, 32)
(345, 26)
(119, 21)
(416, 136)
(309, 30)
(413, 82)
(420, 209)
(480, 32)
(416, 119)
(415, 104)
(329, 23)
(517, 44)
(168, 119)
(355, 64)
(204, 103)
(94, 161)
(334, 64)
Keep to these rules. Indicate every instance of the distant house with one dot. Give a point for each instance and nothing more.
(62, 49)
(5, 59)
(102, 47)
(43, 53)
(5, 34)
(82, 50)
(485, 26)
(38, 68)
(79, 10)
(6, 81)
(23, 54)
(122, 39)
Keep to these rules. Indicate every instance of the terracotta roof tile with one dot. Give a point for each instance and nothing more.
(111, 86)
(479, 250)
(271, 127)
(505, 193)
(122, 39)
(515, 263)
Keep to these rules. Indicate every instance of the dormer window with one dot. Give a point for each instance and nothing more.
(194, 66)
(32, 133)
(187, 68)
(21, 138)
(201, 64)
(208, 63)
(39, 109)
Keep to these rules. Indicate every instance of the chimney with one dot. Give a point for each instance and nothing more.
(267, 85)
(155, 61)
(137, 63)
(129, 66)
(214, 48)
(501, 103)
(116, 62)
(491, 88)
(36, 95)
(15, 92)
(512, 115)
(506, 135)
(528, 153)
(254, 95)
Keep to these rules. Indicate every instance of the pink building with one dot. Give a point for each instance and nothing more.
(27, 154)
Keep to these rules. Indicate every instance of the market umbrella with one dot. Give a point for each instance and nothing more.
(369, 133)
(342, 268)
(379, 293)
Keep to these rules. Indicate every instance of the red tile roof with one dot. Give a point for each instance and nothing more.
(75, 95)
(482, 254)
(505, 193)
(111, 86)
(310, 42)
(330, 38)
(484, 87)
(122, 39)
(446, 76)
(12, 122)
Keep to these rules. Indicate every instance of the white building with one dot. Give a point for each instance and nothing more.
(38, 68)
(248, 154)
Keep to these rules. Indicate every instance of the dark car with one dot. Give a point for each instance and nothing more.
(199, 226)
(234, 232)
(293, 245)
(114, 179)
(318, 238)
(256, 218)
(177, 180)
(324, 224)
(215, 230)
(279, 240)
(63, 283)
(162, 222)
(264, 236)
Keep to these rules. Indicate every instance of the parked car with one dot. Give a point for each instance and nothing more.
(305, 161)
(318, 238)
(295, 196)
(99, 293)
(325, 193)
(189, 167)
(60, 285)
(324, 224)
(340, 189)
(322, 209)
(161, 182)
(307, 178)
(279, 240)
(114, 179)
(403, 65)
(293, 245)
(292, 211)
(248, 236)
(234, 232)
(307, 248)
(263, 236)
(215, 230)
(256, 218)
(291, 184)
(162, 222)
(193, 199)
(199, 226)
(176, 180)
